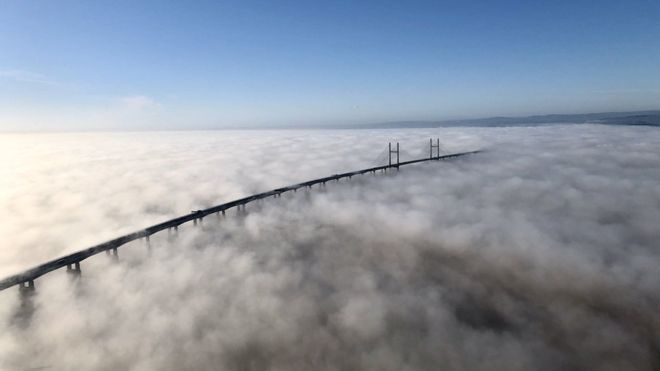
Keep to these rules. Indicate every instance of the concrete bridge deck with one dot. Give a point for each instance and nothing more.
(25, 280)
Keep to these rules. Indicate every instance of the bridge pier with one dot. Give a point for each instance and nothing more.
(240, 210)
(172, 233)
(23, 314)
(26, 288)
(74, 269)
(113, 253)
(148, 244)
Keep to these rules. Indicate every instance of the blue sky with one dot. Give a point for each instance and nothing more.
(96, 65)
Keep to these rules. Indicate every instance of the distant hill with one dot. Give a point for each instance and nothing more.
(649, 118)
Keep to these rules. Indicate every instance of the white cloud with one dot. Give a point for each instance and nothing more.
(27, 76)
(538, 254)
(138, 102)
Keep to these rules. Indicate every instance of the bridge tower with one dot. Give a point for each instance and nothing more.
(394, 151)
(436, 146)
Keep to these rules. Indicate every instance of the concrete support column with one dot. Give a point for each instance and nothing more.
(240, 210)
(113, 254)
(74, 269)
(148, 243)
(23, 315)
(26, 288)
(172, 233)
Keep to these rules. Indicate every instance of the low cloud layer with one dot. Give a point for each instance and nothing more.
(539, 253)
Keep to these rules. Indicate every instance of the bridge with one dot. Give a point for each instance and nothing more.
(25, 280)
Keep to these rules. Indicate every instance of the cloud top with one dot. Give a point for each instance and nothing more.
(540, 253)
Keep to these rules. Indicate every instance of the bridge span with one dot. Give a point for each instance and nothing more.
(25, 280)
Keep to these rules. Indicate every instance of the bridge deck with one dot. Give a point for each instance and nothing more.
(71, 259)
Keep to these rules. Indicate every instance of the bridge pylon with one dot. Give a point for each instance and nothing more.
(391, 151)
(436, 146)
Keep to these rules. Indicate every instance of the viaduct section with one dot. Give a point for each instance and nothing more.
(25, 280)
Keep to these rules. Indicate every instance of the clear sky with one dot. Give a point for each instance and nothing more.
(75, 65)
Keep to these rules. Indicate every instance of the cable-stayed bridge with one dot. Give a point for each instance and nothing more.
(25, 280)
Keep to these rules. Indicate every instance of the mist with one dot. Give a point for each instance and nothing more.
(539, 253)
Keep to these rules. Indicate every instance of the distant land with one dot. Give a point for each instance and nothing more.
(631, 118)
(646, 118)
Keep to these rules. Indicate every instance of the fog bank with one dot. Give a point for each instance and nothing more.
(539, 253)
